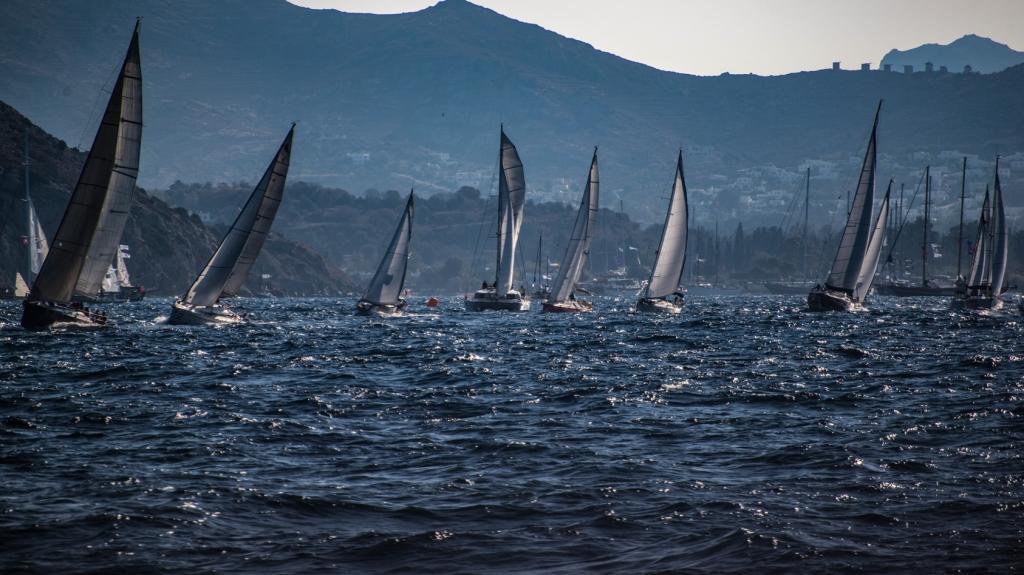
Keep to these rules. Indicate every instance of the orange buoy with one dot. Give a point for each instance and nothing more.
(432, 302)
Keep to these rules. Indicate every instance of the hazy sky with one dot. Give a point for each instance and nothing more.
(738, 36)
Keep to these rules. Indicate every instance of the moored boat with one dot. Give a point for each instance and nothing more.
(97, 209)
(228, 267)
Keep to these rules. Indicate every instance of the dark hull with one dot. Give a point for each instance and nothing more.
(914, 291)
(380, 310)
(184, 314)
(571, 306)
(41, 315)
(977, 303)
(657, 305)
(830, 300)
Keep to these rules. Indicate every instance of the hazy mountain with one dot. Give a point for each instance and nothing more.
(396, 101)
(168, 245)
(981, 54)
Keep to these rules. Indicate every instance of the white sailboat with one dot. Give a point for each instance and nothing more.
(501, 296)
(663, 292)
(849, 280)
(563, 291)
(229, 265)
(97, 209)
(983, 289)
(383, 297)
(117, 283)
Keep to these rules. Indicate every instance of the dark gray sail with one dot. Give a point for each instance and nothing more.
(242, 243)
(579, 241)
(389, 280)
(667, 273)
(1000, 237)
(871, 256)
(846, 267)
(99, 204)
(511, 200)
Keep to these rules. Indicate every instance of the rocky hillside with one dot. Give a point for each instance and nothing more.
(168, 245)
(983, 55)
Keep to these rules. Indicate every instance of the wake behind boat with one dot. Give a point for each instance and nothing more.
(563, 292)
(229, 265)
(98, 208)
(854, 266)
(501, 296)
(663, 292)
(383, 296)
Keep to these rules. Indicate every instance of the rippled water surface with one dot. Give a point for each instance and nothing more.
(744, 435)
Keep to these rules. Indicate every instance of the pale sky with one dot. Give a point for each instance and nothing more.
(739, 36)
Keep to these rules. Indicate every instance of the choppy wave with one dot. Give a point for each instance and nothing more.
(745, 434)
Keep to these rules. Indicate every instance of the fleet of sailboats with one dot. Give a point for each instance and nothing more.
(501, 295)
(86, 261)
(95, 216)
(383, 297)
(663, 292)
(563, 290)
(853, 269)
(229, 265)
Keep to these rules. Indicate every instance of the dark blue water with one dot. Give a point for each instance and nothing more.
(744, 435)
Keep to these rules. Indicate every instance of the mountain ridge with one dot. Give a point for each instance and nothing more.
(982, 54)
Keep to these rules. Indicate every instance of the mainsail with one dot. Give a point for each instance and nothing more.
(37, 246)
(511, 199)
(981, 247)
(846, 267)
(1000, 238)
(579, 241)
(667, 273)
(96, 213)
(387, 283)
(874, 250)
(229, 265)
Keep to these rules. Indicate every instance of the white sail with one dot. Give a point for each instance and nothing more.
(20, 287)
(37, 245)
(389, 280)
(110, 282)
(123, 279)
(667, 273)
(1000, 244)
(120, 184)
(246, 235)
(94, 213)
(579, 241)
(874, 251)
(978, 262)
(846, 267)
(511, 200)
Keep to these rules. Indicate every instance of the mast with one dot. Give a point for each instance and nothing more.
(30, 254)
(536, 267)
(960, 232)
(807, 211)
(924, 244)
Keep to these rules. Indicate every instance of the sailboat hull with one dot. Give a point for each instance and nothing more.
(831, 300)
(185, 314)
(380, 310)
(570, 306)
(43, 314)
(976, 303)
(658, 305)
(489, 300)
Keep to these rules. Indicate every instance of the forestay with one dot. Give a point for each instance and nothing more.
(667, 273)
(579, 241)
(387, 283)
(238, 250)
(100, 200)
(846, 267)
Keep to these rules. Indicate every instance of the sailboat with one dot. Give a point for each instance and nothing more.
(501, 296)
(563, 291)
(229, 265)
(34, 240)
(97, 209)
(117, 283)
(383, 296)
(983, 289)
(848, 280)
(927, 287)
(670, 260)
(797, 287)
(540, 287)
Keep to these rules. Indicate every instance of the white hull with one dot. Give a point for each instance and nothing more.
(489, 300)
(658, 305)
(380, 310)
(569, 306)
(185, 314)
